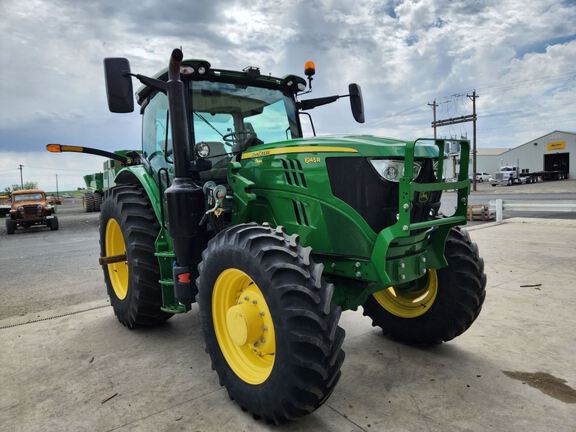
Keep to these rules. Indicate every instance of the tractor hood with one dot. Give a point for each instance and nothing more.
(356, 145)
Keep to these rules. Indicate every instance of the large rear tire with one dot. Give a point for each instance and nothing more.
(97, 201)
(128, 226)
(269, 325)
(88, 202)
(445, 307)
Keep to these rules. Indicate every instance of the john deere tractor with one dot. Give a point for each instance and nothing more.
(273, 234)
(92, 198)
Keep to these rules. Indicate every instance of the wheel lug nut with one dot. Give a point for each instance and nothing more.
(246, 298)
(254, 302)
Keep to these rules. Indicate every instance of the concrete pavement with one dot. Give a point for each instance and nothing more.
(86, 372)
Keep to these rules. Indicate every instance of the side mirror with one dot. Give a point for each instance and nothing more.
(356, 102)
(118, 85)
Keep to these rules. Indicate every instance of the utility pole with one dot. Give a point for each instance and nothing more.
(57, 186)
(21, 179)
(473, 97)
(434, 105)
(461, 119)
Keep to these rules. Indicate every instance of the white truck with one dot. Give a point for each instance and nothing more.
(510, 175)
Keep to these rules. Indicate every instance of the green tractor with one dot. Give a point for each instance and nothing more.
(97, 183)
(274, 235)
(92, 198)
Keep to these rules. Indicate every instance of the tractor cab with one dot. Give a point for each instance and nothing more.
(226, 117)
(227, 112)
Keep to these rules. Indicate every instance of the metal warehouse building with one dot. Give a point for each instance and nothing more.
(551, 152)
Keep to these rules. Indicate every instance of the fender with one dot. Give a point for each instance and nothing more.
(137, 174)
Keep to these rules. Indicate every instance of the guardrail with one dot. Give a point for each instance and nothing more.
(501, 206)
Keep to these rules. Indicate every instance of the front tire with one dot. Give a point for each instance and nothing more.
(269, 325)
(128, 226)
(53, 224)
(443, 314)
(10, 226)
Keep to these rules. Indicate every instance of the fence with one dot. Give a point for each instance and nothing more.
(547, 206)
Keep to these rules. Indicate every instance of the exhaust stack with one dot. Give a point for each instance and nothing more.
(184, 198)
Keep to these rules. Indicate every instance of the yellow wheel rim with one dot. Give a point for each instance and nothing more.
(243, 326)
(115, 245)
(409, 305)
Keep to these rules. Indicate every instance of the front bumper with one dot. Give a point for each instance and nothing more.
(41, 220)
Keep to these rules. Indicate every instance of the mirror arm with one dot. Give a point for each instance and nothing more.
(151, 82)
(313, 103)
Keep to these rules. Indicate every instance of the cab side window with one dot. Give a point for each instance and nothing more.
(155, 128)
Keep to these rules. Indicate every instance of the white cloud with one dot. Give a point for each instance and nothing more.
(517, 54)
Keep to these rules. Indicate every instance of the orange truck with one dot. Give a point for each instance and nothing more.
(29, 208)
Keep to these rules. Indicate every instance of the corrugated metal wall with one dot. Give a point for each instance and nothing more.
(531, 154)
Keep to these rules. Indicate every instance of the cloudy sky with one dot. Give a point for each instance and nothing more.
(519, 56)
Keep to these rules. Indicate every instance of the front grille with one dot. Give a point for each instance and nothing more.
(355, 181)
(32, 211)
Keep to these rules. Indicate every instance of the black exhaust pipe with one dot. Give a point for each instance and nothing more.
(184, 198)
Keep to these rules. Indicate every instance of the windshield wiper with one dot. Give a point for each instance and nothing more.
(209, 124)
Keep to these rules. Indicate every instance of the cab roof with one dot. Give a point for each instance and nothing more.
(248, 76)
(28, 191)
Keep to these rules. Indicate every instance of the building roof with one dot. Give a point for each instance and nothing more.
(539, 138)
(495, 151)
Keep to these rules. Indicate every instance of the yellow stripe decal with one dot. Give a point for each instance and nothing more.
(298, 149)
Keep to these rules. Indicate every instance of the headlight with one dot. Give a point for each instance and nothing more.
(21, 208)
(393, 170)
(202, 149)
(40, 206)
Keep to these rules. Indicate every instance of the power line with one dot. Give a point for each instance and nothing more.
(457, 120)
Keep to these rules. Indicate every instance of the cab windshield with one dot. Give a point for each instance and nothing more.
(27, 197)
(227, 115)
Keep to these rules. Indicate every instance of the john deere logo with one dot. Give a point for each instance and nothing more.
(423, 197)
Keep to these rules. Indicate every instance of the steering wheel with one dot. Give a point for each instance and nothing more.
(237, 137)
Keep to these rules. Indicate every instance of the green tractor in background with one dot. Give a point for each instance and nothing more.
(92, 198)
(274, 235)
(97, 183)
